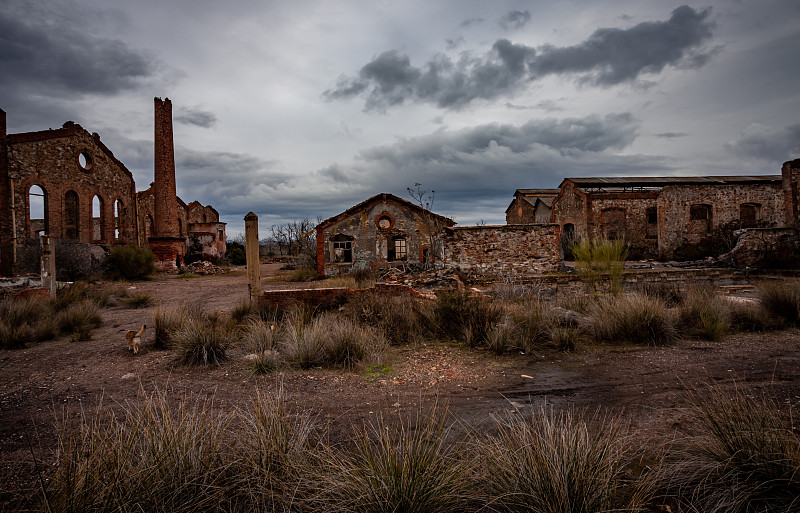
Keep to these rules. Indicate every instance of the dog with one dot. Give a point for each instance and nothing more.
(135, 339)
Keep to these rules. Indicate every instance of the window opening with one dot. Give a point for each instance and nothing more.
(98, 218)
(148, 226)
(398, 249)
(652, 223)
(748, 215)
(342, 248)
(117, 215)
(37, 211)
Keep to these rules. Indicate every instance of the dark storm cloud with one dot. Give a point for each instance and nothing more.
(470, 21)
(671, 135)
(515, 19)
(195, 116)
(46, 58)
(767, 143)
(608, 57)
(563, 136)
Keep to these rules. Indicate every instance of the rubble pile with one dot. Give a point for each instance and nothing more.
(204, 268)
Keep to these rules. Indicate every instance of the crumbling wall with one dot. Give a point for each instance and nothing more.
(520, 212)
(678, 229)
(510, 250)
(569, 207)
(197, 213)
(624, 216)
(790, 173)
(50, 159)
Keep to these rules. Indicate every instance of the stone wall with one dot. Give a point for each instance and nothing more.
(790, 172)
(520, 212)
(50, 159)
(510, 250)
(624, 216)
(677, 228)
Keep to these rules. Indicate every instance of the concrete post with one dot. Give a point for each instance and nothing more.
(49, 264)
(251, 253)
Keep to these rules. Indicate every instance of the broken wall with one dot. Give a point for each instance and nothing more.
(509, 250)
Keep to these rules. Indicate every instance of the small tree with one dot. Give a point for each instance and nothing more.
(131, 261)
(430, 220)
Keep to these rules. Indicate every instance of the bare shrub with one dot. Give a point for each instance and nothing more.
(633, 318)
(781, 299)
(704, 313)
(749, 316)
(554, 462)
(401, 319)
(403, 466)
(744, 458)
(455, 311)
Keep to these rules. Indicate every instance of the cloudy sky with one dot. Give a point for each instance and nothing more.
(302, 108)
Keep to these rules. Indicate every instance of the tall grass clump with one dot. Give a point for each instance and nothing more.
(331, 339)
(202, 342)
(156, 455)
(275, 445)
(634, 318)
(704, 313)
(139, 300)
(79, 319)
(781, 299)
(244, 310)
(24, 321)
(596, 260)
(745, 457)
(402, 467)
(131, 262)
(457, 314)
(555, 462)
(523, 327)
(168, 322)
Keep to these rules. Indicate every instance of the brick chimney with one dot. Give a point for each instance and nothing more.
(166, 242)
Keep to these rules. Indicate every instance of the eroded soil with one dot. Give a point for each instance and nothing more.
(648, 386)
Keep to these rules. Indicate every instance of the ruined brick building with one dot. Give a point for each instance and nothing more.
(382, 230)
(68, 184)
(531, 206)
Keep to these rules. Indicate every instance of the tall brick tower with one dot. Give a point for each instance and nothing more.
(166, 242)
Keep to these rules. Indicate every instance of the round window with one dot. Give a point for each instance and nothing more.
(85, 160)
(385, 223)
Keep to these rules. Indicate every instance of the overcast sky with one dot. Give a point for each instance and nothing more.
(300, 108)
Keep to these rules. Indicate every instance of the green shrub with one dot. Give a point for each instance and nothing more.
(553, 462)
(131, 262)
(235, 253)
(633, 318)
(600, 259)
(704, 313)
(744, 458)
(399, 467)
(781, 299)
(456, 313)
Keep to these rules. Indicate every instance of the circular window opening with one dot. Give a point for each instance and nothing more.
(385, 222)
(85, 161)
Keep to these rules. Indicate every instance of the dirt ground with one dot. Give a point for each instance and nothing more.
(646, 385)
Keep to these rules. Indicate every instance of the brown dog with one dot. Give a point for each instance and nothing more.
(135, 338)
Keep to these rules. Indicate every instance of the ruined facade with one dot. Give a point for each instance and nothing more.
(667, 216)
(68, 184)
(531, 206)
(383, 230)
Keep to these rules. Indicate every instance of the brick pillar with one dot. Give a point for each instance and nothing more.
(166, 243)
(790, 173)
(6, 244)
(320, 251)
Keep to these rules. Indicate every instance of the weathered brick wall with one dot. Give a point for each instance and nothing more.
(197, 213)
(49, 159)
(370, 244)
(766, 247)
(165, 196)
(676, 228)
(504, 250)
(570, 207)
(146, 206)
(210, 237)
(520, 212)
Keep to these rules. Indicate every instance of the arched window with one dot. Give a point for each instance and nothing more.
(342, 248)
(71, 211)
(98, 218)
(37, 211)
(148, 226)
(118, 209)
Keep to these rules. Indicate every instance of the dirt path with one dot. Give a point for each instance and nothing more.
(648, 385)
